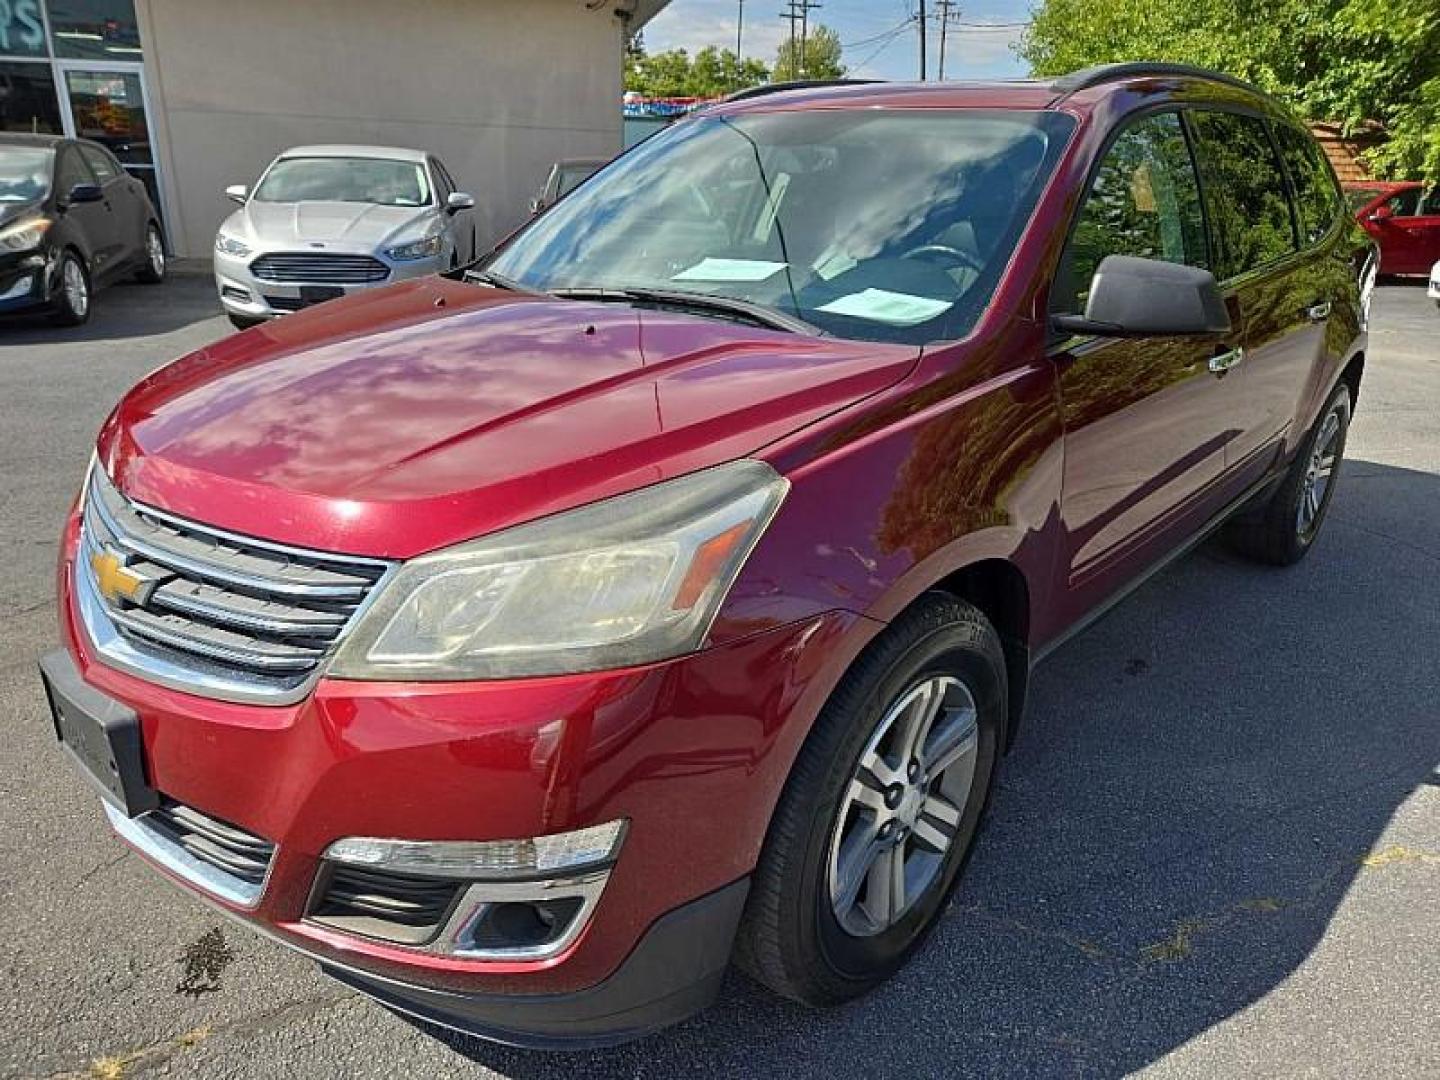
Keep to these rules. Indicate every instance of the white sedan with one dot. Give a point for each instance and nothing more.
(324, 221)
(1434, 291)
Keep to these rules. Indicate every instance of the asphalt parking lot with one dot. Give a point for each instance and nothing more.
(1215, 850)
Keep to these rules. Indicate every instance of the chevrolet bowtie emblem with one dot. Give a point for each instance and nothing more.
(116, 581)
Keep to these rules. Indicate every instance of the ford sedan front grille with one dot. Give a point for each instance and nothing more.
(209, 611)
(315, 268)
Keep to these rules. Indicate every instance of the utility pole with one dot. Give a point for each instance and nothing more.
(740, 32)
(799, 15)
(945, 6)
(924, 29)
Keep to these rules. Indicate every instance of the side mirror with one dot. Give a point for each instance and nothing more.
(237, 193)
(83, 193)
(1132, 297)
(457, 201)
(536, 205)
(1383, 212)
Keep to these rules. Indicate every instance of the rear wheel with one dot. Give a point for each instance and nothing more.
(72, 304)
(1282, 530)
(152, 270)
(881, 808)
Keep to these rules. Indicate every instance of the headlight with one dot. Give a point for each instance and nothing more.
(24, 235)
(629, 580)
(228, 245)
(419, 249)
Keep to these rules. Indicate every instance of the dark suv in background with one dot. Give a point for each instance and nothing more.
(524, 644)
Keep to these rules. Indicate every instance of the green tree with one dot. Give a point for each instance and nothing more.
(821, 57)
(1349, 61)
(709, 73)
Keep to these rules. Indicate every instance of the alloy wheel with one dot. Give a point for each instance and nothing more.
(77, 292)
(1319, 473)
(155, 252)
(903, 806)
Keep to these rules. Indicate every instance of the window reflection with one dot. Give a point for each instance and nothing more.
(27, 99)
(95, 29)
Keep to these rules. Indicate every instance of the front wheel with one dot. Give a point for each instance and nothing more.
(881, 808)
(72, 304)
(1283, 529)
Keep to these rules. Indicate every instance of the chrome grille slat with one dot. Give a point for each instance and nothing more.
(217, 613)
(226, 848)
(229, 648)
(229, 609)
(187, 554)
(320, 268)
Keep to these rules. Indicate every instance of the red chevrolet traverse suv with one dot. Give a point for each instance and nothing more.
(526, 644)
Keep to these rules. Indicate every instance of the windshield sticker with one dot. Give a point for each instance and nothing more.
(730, 270)
(881, 305)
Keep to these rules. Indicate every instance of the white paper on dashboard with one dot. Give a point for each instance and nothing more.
(730, 270)
(881, 305)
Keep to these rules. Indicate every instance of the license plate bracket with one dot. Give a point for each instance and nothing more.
(317, 294)
(101, 735)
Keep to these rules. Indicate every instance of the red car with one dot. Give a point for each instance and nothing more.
(525, 644)
(1404, 219)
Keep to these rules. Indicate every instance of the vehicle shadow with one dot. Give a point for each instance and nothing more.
(124, 310)
(1199, 781)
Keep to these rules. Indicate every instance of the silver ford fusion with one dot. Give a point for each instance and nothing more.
(324, 221)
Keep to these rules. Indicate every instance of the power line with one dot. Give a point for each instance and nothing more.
(799, 15)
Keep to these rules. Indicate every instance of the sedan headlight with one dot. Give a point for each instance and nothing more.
(418, 249)
(25, 234)
(228, 245)
(629, 580)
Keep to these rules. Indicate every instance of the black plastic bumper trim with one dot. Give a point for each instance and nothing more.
(673, 973)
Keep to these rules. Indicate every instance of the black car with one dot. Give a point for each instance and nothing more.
(71, 219)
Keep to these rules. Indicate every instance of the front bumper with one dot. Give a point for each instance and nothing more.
(244, 294)
(24, 282)
(692, 753)
(1434, 289)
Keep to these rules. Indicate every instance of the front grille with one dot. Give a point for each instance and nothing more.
(394, 907)
(303, 267)
(228, 849)
(216, 606)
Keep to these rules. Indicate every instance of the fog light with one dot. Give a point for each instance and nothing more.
(490, 860)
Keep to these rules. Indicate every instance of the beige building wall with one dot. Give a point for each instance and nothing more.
(498, 89)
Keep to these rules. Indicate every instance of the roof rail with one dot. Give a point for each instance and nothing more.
(1085, 78)
(796, 84)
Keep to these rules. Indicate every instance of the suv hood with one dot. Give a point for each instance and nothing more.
(274, 225)
(434, 411)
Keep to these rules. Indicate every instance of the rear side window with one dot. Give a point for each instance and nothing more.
(1245, 191)
(1144, 201)
(1317, 199)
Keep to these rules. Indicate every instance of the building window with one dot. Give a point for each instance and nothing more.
(95, 29)
(27, 98)
(22, 28)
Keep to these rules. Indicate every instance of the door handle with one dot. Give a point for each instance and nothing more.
(1318, 312)
(1223, 362)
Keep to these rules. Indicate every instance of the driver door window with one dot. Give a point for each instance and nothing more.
(1144, 201)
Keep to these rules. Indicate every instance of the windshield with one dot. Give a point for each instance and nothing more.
(339, 179)
(571, 177)
(882, 225)
(1358, 197)
(24, 173)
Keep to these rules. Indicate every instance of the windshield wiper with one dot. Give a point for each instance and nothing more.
(500, 281)
(706, 303)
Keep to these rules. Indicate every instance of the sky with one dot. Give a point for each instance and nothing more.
(881, 36)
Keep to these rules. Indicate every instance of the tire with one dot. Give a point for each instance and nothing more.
(74, 300)
(152, 271)
(1283, 529)
(796, 937)
(242, 322)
